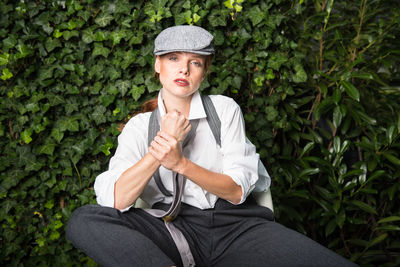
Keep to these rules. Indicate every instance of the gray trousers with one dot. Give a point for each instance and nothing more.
(228, 235)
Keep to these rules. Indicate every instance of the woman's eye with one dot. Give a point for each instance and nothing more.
(197, 64)
(173, 58)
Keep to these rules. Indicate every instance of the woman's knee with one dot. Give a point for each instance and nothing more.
(84, 219)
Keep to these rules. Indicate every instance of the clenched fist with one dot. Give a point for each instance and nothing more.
(175, 124)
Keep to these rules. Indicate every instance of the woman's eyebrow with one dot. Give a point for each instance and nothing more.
(198, 57)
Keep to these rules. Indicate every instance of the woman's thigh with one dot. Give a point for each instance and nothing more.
(113, 238)
(272, 244)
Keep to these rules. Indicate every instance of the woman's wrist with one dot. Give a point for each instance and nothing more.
(181, 166)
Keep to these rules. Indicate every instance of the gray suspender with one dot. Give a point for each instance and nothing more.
(178, 180)
(154, 127)
(212, 118)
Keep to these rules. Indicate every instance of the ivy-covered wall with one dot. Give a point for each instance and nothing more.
(318, 82)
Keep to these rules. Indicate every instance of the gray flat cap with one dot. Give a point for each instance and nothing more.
(184, 38)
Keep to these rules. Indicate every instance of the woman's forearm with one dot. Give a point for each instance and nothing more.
(218, 184)
(131, 183)
(168, 151)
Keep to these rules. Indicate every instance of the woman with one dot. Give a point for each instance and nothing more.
(203, 140)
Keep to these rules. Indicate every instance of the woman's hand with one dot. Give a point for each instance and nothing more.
(168, 151)
(175, 124)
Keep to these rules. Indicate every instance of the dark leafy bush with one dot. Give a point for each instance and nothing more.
(318, 82)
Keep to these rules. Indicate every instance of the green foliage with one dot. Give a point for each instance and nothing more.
(318, 83)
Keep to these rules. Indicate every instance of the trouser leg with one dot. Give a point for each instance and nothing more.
(246, 240)
(271, 244)
(112, 238)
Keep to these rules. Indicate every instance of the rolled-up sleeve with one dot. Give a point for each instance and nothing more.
(240, 160)
(132, 145)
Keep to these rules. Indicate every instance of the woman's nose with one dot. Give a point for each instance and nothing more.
(184, 68)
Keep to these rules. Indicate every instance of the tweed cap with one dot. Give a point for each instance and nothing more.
(184, 38)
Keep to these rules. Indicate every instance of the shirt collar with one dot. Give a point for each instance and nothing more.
(196, 106)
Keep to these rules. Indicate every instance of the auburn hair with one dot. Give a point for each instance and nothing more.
(147, 106)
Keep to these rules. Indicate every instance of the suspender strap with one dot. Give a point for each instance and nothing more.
(212, 118)
(154, 127)
(179, 180)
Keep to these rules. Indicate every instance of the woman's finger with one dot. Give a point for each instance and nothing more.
(153, 151)
(186, 124)
(166, 136)
(162, 142)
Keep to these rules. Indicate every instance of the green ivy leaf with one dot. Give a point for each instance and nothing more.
(103, 19)
(256, 15)
(88, 36)
(49, 204)
(51, 44)
(100, 36)
(4, 59)
(106, 147)
(10, 41)
(300, 75)
(277, 59)
(69, 34)
(41, 241)
(100, 50)
(123, 86)
(57, 33)
(98, 115)
(269, 75)
(69, 124)
(6, 74)
(116, 36)
(152, 85)
(45, 73)
(123, 7)
(271, 112)
(229, 3)
(217, 18)
(26, 136)
(47, 149)
(137, 38)
(113, 73)
(57, 134)
(137, 91)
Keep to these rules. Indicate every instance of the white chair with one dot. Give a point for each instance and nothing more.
(262, 198)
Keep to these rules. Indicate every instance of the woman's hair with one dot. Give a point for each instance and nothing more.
(149, 105)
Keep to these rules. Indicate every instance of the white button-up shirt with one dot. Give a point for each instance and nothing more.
(236, 157)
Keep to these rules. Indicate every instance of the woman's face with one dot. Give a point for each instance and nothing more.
(180, 73)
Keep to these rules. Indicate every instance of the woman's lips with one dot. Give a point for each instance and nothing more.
(181, 82)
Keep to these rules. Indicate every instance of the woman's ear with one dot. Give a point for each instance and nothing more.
(157, 64)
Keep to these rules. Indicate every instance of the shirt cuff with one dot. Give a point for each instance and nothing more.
(104, 189)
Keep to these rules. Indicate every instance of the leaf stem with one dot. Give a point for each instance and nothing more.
(79, 175)
(357, 39)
